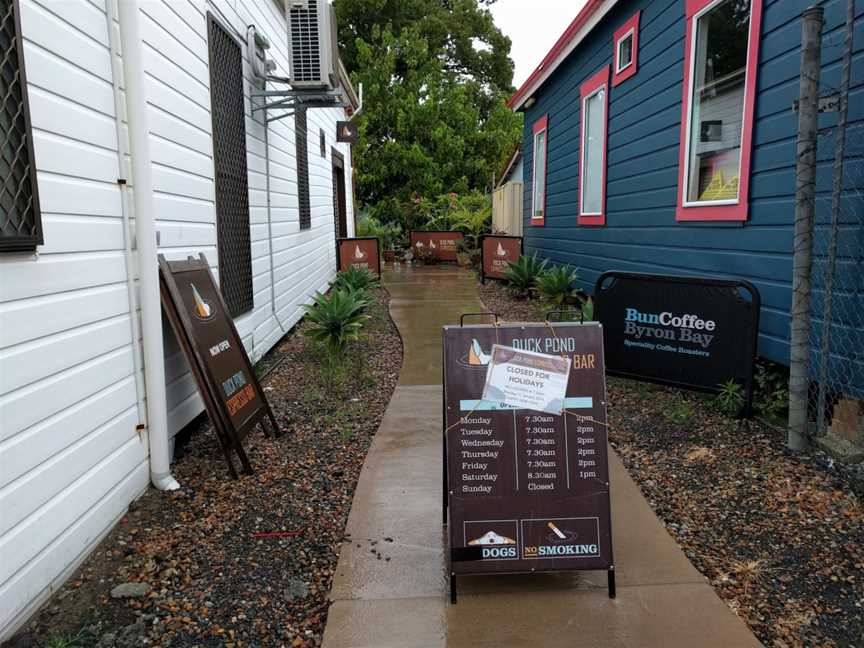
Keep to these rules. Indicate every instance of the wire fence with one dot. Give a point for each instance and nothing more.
(837, 306)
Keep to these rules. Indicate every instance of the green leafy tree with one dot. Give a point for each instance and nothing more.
(436, 75)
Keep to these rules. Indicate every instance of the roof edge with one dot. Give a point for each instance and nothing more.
(581, 26)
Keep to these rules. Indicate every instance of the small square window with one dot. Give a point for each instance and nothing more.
(626, 50)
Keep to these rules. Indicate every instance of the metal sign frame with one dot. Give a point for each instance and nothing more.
(460, 554)
(339, 242)
(412, 241)
(483, 256)
(751, 339)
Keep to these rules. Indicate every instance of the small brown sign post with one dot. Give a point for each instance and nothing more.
(443, 244)
(526, 491)
(496, 253)
(361, 253)
(209, 339)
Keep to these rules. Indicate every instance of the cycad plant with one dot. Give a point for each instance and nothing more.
(556, 287)
(356, 279)
(334, 320)
(521, 275)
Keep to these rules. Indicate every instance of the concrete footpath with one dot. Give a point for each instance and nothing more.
(403, 602)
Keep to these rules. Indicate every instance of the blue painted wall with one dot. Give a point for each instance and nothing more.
(641, 233)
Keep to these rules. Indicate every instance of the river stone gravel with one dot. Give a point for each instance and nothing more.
(248, 562)
(779, 535)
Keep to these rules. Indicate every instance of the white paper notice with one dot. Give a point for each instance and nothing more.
(527, 380)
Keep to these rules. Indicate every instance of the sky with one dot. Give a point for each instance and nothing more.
(533, 26)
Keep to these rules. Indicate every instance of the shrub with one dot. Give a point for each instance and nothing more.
(556, 287)
(356, 279)
(677, 410)
(521, 275)
(334, 320)
(730, 400)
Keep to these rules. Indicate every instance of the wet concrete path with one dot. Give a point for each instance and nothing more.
(390, 589)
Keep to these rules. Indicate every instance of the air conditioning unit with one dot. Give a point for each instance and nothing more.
(313, 53)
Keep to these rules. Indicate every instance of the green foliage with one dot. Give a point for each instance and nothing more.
(588, 310)
(730, 400)
(772, 392)
(389, 234)
(677, 411)
(436, 77)
(336, 319)
(522, 274)
(356, 280)
(556, 286)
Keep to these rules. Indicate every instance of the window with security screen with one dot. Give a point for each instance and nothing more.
(20, 221)
(231, 171)
(301, 139)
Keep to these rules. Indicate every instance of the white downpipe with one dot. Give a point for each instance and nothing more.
(122, 152)
(145, 227)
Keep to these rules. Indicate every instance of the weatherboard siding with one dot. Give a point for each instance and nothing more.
(71, 460)
(175, 36)
(641, 233)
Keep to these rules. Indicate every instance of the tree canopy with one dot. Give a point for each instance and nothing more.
(436, 75)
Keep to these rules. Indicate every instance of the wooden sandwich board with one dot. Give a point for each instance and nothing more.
(206, 333)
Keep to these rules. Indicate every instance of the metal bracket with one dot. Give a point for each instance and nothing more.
(827, 104)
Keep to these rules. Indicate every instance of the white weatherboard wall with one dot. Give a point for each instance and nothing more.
(70, 457)
(176, 58)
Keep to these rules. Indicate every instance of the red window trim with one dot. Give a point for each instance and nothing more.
(632, 24)
(737, 211)
(540, 125)
(588, 88)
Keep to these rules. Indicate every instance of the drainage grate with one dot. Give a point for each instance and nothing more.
(20, 222)
(229, 160)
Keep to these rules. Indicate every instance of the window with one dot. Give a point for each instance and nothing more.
(717, 114)
(594, 95)
(322, 142)
(626, 41)
(301, 136)
(20, 220)
(538, 183)
(230, 167)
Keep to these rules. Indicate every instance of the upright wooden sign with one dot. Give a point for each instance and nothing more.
(526, 491)
(206, 333)
(443, 243)
(496, 253)
(361, 253)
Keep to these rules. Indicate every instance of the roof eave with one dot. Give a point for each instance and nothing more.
(582, 24)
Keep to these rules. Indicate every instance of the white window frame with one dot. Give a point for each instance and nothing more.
(694, 26)
(544, 132)
(583, 151)
(631, 34)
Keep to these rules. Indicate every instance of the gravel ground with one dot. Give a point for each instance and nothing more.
(239, 563)
(779, 535)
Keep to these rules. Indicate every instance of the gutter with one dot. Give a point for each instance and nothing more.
(145, 228)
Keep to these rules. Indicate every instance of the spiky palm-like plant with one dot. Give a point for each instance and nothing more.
(521, 275)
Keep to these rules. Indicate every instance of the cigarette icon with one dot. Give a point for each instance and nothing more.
(557, 531)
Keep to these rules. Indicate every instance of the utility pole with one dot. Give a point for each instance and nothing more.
(805, 209)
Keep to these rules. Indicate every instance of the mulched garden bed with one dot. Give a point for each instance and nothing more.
(249, 562)
(779, 535)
